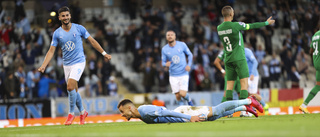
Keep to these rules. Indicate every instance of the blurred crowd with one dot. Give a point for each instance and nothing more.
(22, 46)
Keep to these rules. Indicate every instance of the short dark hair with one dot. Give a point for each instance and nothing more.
(124, 102)
(63, 9)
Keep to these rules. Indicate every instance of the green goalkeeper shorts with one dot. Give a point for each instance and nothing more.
(237, 68)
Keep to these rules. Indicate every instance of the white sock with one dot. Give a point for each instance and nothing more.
(304, 105)
(82, 112)
(71, 113)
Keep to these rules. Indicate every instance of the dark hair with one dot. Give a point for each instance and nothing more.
(124, 102)
(63, 9)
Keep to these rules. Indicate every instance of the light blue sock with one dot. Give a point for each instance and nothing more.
(79, 103)
(180, 103)
(262, 102)
(187, 97)
(240, 108)
(229, 105)
(72, 96)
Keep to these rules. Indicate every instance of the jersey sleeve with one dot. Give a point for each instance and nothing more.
(83, 31)
(247, 26)
(55, 37)
(163, 58)
(188, 52)
(221, 55)
(252, 59)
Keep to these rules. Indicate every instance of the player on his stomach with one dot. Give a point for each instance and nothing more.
(155, 114)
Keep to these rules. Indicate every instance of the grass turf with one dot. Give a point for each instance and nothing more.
(280, 125)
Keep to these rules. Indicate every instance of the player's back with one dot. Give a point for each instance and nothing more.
(231, 37)
(153, 114)
(315, 45)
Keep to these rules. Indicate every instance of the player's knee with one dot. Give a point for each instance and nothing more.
(70, 87)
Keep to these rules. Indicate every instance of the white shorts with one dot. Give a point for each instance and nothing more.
(179, 83)
(193, 111)
(253, 85)
(74, 71)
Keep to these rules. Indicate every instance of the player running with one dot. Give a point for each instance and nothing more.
(235, 60)
(173, 56)
(69, 38)
(314, 51)
(155, 114)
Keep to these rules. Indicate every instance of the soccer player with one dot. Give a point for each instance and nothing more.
(235, 60)
(69, 38)
(173, 57)
(253, 81)
(314, 51)
(156, 114)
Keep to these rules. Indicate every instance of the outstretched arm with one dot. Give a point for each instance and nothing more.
(47, 59)
(256, 25)
(97, 46)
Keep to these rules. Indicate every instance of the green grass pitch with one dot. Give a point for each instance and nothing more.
(280, 125)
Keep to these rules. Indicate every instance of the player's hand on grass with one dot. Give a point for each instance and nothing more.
(108, 57)
(41, 69)
(168, 64)
(195, 119)
(188, 68)
(270, 20)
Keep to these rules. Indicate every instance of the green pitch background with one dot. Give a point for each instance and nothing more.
(280, 125)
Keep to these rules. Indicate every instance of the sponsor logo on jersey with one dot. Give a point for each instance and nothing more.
(69, 46)
(175, 59)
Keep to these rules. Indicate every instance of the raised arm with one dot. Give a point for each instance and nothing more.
(47, 59)
(244, 26)
(97, 46)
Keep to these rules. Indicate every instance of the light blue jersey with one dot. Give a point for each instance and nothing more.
(176, 55)
(71, 43)
(252, 62)
(155, 114)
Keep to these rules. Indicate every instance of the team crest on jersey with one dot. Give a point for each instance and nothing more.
(69, 46)
(74, 34)
(175, 59)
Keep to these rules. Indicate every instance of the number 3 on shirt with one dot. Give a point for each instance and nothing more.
(227, 41)
(315, 47)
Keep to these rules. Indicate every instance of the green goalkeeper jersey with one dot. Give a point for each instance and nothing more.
(232, 40)
(315, 45)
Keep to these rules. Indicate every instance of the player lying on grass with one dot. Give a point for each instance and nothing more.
(155, 114)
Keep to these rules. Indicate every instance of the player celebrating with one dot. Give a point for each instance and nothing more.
(235, 60)
(314, 51)
(173, 57)
(155, 114)
(68, 37)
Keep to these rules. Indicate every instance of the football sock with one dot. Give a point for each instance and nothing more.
(187, 97)
(311, 95)
(223, 99)
(229, 105)
(243, 94)
(262, 102)
(72, 96)
(79, 102)
(240, 108)
(229, 95)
